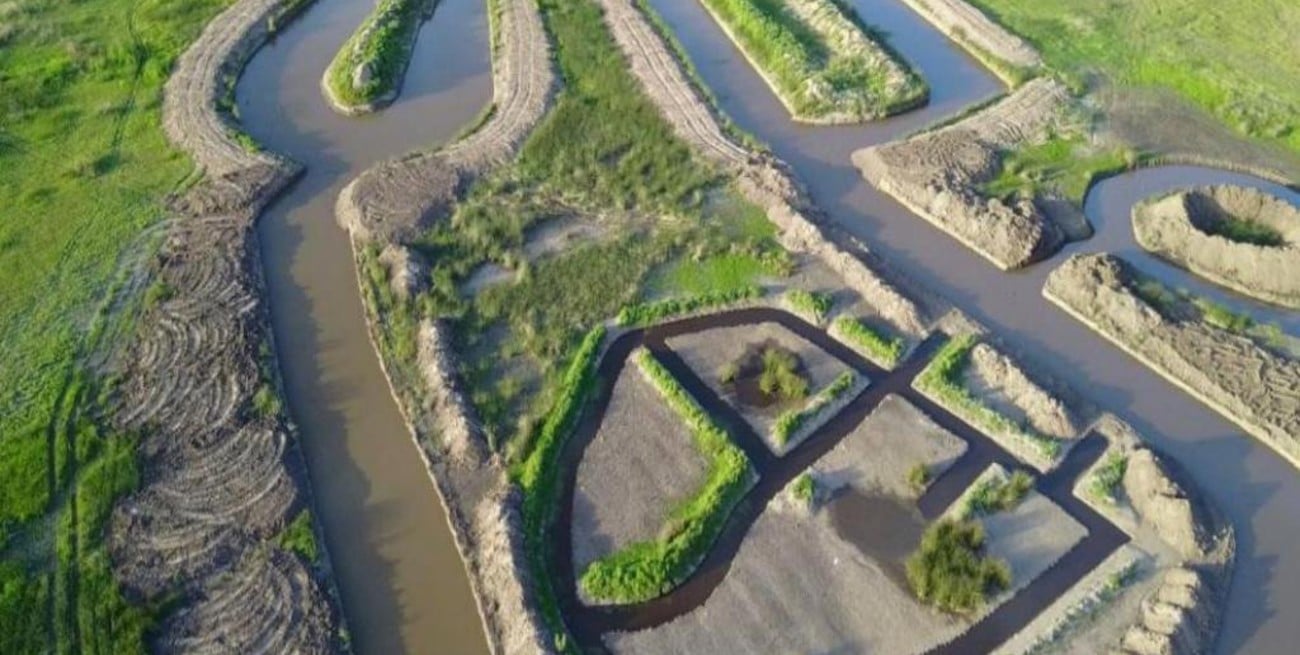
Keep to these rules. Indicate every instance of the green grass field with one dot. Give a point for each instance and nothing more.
(1238, 60)
(84, 168)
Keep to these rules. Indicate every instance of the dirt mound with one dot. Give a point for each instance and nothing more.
(763, 180)
(504, 590)
(221, 474)
(1249, 384)
(999, 381)
(437, 361)
(1163, 504)
(1188, 228)
(398, 199)
(938, 176)
(968, 25)
(1180, 619)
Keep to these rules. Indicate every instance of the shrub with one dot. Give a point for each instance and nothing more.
(949, 570)
(997, 495)
(814, 305)
(1246, 231)
(884, 350)
(918, 477)
(780, 377)
(1106, 481)
(299, 537)
(804, 487)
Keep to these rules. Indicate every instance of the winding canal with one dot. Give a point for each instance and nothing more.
(402, 583)
(403, 587)
(1258, 491)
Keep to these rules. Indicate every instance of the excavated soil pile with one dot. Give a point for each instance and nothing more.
(222, 476)
(1251, 385)
(938, 176)
(1184, 612)
(1187, 228)
(968, 25)
(398, 199)
(1003, 385)
(764, 180)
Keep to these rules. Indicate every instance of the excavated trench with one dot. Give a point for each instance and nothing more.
(401, 579)
(1256, 489)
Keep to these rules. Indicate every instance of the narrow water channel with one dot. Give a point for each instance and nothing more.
(403, 586)
(1258, 490)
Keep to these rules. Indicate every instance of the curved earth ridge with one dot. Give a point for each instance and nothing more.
(775, 473)
(395, 200)
(221, 476)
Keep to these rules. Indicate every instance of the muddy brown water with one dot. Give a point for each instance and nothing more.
(883, 528)
(402, 582)
(1258, 491)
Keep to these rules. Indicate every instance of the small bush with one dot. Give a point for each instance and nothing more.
(997, 495)
(299, 537)
(788, 424)
(780, 377)
(949, 570)
(885, 350)
(919, 476)
(1106, 481)
(814, 305)
(804, 487)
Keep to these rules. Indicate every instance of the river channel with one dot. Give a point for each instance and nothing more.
(402, 583)
(1258, 491)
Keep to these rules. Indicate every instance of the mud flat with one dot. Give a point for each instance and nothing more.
(222, 473)
(397, 200)
(1000, 50)
(711, 351)
(938, 176)
(1194, 229)
(762, 179)
(366, 74)
(1163, 592)
(855, 79)
(640, 466)
(1251, 385)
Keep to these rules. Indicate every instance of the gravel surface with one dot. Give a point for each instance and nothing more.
(641, 464)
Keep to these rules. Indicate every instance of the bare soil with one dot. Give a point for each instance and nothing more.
(640, 465)
(1003, 385)
(1181, 228)
(222, 475)
(1251, 385)
(396, 200)
(938, 175)
(970, 27)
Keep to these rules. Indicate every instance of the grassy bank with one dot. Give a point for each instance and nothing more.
(368, 69)
(1063, 166)
(84, 168)
(648, 569)
(1238, 61)
(821, 61)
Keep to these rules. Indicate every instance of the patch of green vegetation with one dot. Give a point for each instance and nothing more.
(1222, 317)
(780, 377)
(300, 537)
(950, 571)
(804, 487)
(919, 477)
(942, 379)
(642, 314)
(816, 306)
(875, 344)
(84, 170)
(648, 569)
(382, 45)
(1106, 481)
(788, 423)
(1063, 165)
(1244, 230)
(814, 77)
(997, 494)
(717, 275)
(1241, 65)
